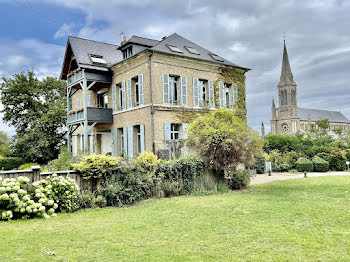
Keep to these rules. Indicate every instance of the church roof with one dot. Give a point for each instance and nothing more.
(286, 72)
(316, 114)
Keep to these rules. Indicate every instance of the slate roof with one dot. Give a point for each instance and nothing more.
(83, 47)
(112, 54)
(142, 41)
(316, 114)
(181, 43)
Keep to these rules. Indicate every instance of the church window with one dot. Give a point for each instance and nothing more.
(285, 127)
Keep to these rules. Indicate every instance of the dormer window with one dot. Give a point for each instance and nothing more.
(217, 58)
(127, 52)
(192, 50)
(97, 59)
(174, 48)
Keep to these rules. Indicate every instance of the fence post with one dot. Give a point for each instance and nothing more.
(36, 173)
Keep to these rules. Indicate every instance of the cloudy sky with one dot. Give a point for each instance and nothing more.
(246, 32)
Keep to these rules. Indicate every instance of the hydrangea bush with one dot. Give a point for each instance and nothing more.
(19, 199)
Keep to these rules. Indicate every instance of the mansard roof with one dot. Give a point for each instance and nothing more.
(83, 48)
(316, 114)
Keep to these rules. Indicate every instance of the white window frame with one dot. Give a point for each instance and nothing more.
(173, 85)
(174, 132)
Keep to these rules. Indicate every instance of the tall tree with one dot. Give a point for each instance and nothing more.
(37, 110)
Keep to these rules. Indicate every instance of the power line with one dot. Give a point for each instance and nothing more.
(45, 17)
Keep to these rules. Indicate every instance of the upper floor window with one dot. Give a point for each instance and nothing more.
(203, 97)
(136, 87)
(127, 52)
(173, 90)
(121, 93)
(102, 99)
(227, 88)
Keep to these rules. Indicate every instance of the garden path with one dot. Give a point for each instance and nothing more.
(265, 178)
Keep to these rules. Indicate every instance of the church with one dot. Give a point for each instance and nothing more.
(288, 118)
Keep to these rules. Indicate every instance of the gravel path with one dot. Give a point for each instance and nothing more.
(265, 178)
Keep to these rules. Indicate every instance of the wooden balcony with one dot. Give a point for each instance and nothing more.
(94, 114)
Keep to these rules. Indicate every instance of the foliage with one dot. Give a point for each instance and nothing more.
(27, 166)
(64, 191)
(37, 110)
(347, 154)
(337, 161)
(259, 165)
(281, 167)
(20, 200)
(320, 165)
(304, 165)
(223, 140)
(282, 143)
(64, 161)
(10, 163)
(97, 166)
(5, 149)
(239, 179)
(290, 158)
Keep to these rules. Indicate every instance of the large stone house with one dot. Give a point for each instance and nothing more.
(288, 118)
(123, 100)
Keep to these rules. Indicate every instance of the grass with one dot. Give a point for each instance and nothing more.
(294, 220)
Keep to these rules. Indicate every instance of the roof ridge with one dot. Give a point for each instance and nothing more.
(160, 41)
(144, 38)
(321, 110)
(92, 40)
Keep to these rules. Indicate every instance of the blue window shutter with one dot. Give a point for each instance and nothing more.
(114, 98)
(211, 94)
(165, 88)
(234, 94)
(115, 141)
(184, 90)
(166, 133)
(141, 89)
(128, 83)
(221, 94)
(195, 92)
(142, 131)
(185, 136)
(130, 142)
(124, 95)
(125, 137)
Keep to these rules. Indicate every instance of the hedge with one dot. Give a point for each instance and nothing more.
(304, 165)
(320, 165)
(337, 161)
(10, 163)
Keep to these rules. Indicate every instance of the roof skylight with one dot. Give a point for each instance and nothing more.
(192, 50)
(174, 48)
(217, 58)
(98, 59)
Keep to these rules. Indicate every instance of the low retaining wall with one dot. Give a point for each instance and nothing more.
(34, 175)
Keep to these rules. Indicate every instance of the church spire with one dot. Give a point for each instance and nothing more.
(286, 73)
(273, 109)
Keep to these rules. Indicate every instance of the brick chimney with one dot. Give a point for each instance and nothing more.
(123, 42)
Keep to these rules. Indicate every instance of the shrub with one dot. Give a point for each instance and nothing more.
(290, 158)
(259, 165)
(27, 166)
(42, 199)
(320, 165)
(347, 154)
(63, 162)
(324, 156)
(282, 167)
(304, 165)
(337, 161)
(239, 179)
(10, 163)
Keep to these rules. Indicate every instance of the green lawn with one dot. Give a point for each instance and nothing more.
(294, 220)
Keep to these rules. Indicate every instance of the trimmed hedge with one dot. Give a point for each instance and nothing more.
(304, 165)
(337, 161)
(320, 165)
(10, 163)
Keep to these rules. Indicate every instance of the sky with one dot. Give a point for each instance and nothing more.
(247, 32)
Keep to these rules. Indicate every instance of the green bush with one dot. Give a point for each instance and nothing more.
(337, 161)
(19, 199)
(290, 158)
(283, 167)
(304, 165)
(324, 156)
(347, 154)
(320, 165)
(259, 165)
(239, 180)
(63, 162)
(27, 166)
(10, 163)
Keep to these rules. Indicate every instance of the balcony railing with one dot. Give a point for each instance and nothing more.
(94, 114)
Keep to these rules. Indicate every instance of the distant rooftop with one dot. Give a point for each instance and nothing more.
(316, 114)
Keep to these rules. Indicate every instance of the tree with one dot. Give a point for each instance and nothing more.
(4, 144)
(224, 140)
(37, 110)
